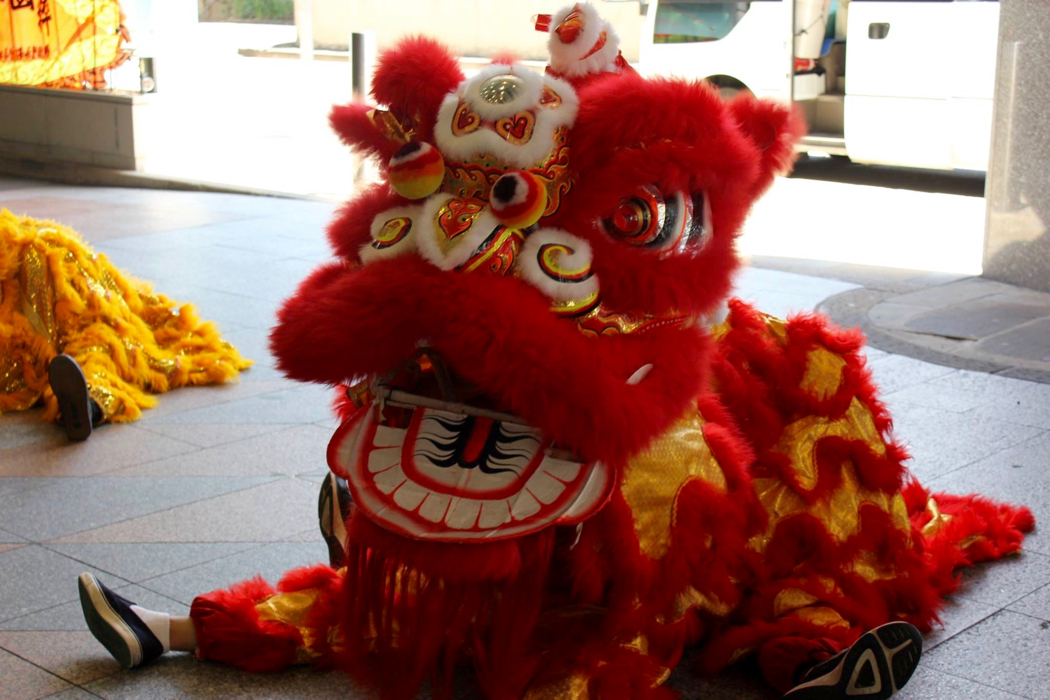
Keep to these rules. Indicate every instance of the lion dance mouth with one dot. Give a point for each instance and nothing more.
(441, 471)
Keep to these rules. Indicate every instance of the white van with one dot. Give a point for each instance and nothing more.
(894, 82)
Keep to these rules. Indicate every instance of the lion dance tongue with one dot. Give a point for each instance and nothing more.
(566, 463)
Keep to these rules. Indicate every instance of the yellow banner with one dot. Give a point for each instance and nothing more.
(60, 43)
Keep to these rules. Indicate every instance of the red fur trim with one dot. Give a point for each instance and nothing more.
(229, 630)
(978, 529)
(357, 131)
(351, 227)
(463, 316)
(412, 607)
(782, 658)
(413, 78)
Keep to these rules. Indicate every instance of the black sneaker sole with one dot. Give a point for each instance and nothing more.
(876, 667)
(107, 626)
(70, 388)
(332, 506)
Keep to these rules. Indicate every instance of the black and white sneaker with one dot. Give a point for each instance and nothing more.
(333, 508)
(70, 388)
(114, 624)
(878, 665)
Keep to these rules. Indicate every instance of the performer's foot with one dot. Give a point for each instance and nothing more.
(75, 407)
(333, 508)
(875, 667)
(119, 625)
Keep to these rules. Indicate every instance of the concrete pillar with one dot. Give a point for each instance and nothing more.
(1017, 232)
(304, 24)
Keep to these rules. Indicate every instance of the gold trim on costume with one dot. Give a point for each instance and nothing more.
(653, 479)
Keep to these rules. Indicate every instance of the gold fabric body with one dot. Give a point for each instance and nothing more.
(56, 296)
(652, 480)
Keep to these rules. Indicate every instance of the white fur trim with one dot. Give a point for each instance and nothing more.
(463, 249)
(581, 257)
(486, 141)
(568, 59)
(413, 212)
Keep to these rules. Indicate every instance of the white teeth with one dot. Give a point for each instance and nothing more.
(388, 437)
(434, 507)
(381, 460)
(463, 513)
(545, 487)
(493, 514)
(390, 479)
(410, 495)
(524, 505)
(561, 469)
(639, 374)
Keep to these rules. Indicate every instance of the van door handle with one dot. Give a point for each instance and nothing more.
(878, 30)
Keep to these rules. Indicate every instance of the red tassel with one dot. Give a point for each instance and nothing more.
(543, 23)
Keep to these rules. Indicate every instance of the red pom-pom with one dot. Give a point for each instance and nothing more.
(518, 199)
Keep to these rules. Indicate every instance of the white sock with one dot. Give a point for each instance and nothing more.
(159, 624)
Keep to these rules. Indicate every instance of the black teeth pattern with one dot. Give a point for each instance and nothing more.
(499, 455)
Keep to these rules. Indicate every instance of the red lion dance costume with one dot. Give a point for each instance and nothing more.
(564, 470)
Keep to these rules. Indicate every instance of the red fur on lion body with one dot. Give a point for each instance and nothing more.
(590, 600)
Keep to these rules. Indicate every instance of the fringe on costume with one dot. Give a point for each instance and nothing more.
(57, 296)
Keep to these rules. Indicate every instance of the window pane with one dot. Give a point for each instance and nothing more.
(684, 21)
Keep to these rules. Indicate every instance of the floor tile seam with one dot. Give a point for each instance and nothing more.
(1037, 319)
(222, 403)
(1040, 434)
(268, 480)
(133, 582)
(287, 426)
(73, 600)
(976, 682)
(27, 489)
(46, 670)
(1028, 615)
(1043, 426)
(253, 546)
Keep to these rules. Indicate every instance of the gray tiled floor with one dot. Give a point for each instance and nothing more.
(220, 483)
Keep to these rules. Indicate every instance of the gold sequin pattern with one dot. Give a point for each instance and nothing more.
(791, 599)
(823, 373)
(937, 519)
(800, 438)
(38, 300)
(293, 609)
(840, 511)
(653, 479)
(571, 687)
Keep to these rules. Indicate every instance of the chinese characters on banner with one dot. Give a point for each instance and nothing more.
(60, 43)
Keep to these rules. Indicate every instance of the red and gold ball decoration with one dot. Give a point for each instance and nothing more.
(518, 199)
(416, 170)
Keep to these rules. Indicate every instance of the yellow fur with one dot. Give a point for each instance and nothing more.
(130, 341)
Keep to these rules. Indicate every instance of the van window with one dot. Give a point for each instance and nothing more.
(689, 21)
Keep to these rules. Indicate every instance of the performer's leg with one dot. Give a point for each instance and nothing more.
(78, 412)
(250, 625)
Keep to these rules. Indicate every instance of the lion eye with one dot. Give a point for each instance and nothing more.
(652, 221)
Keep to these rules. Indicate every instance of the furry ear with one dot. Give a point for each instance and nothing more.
(357, 126)
(774, 129)
(412, 78)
